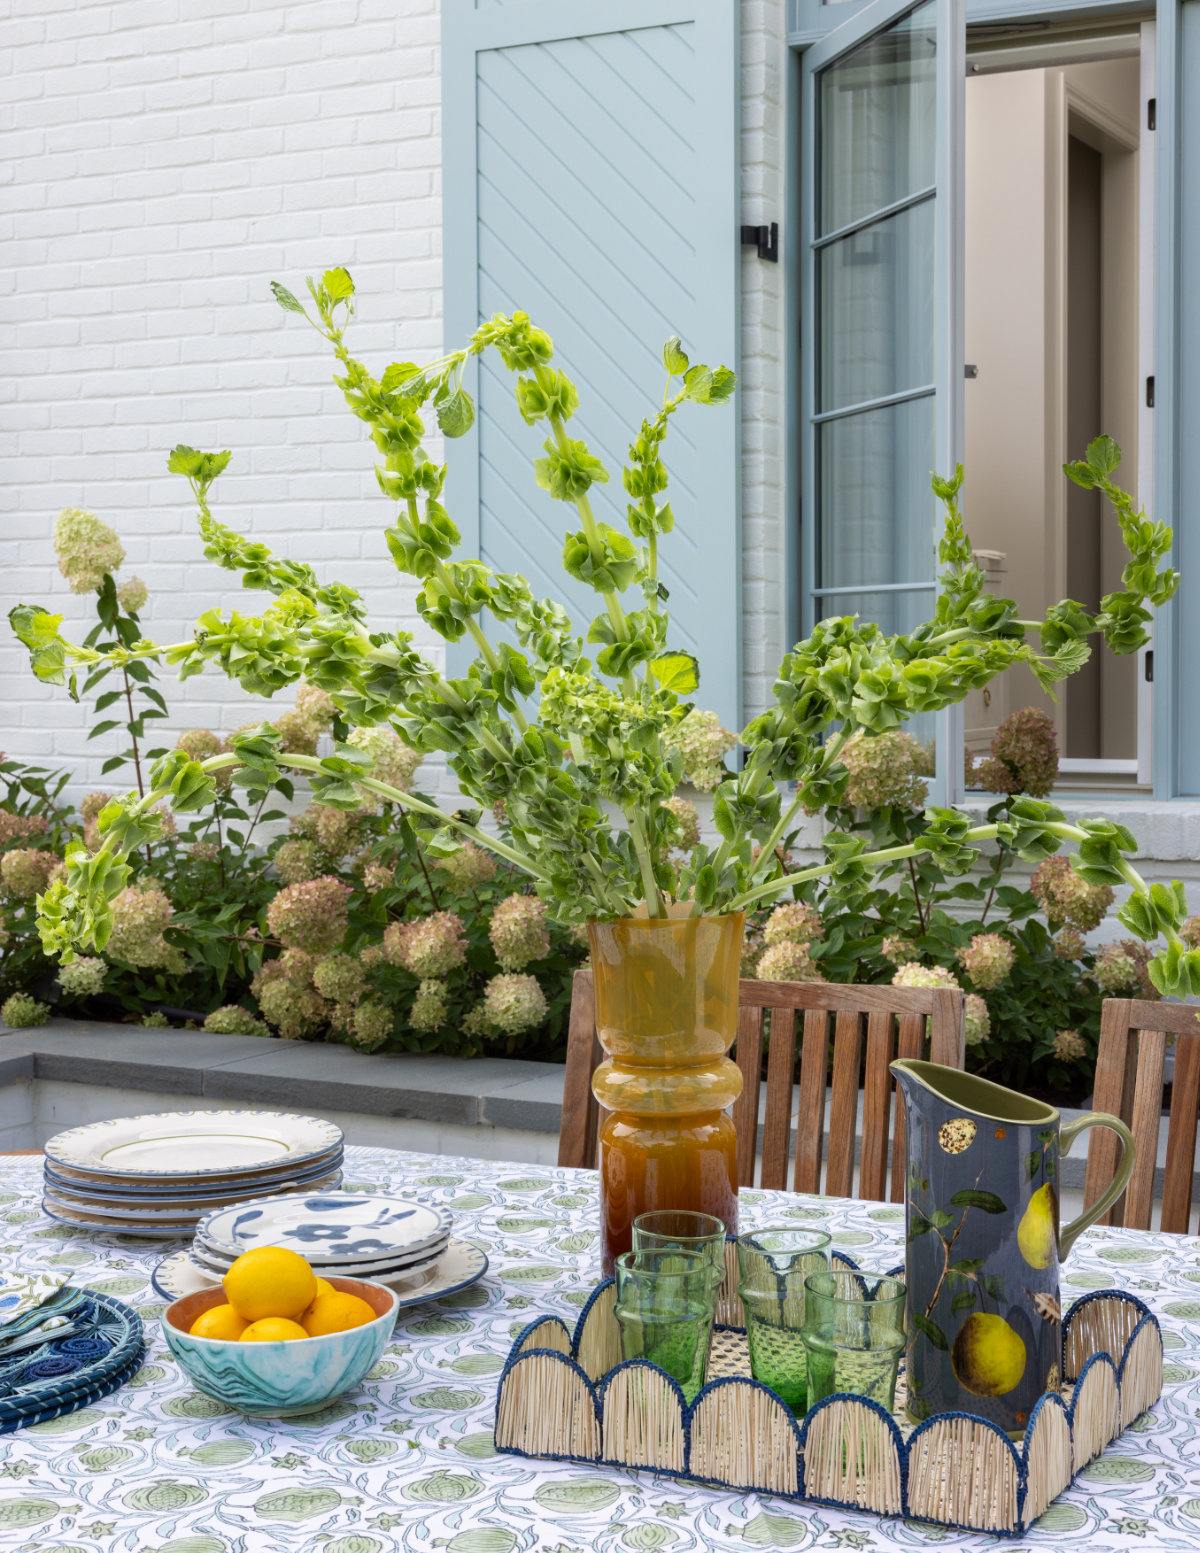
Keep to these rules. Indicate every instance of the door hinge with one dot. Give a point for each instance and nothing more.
(1149, 670)
(765, 239)
(1150, 393)
(1151, 113)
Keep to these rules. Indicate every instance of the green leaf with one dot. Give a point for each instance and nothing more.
(456, 414)
(678, 672)
(939, 1218)
(971, 1198)
(675, 357)
(285, 298)
(337, 283)
(930, 1330)
(918, 1224)
(1033, 1162)
(963, 1300)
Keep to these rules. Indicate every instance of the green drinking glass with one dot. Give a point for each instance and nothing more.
(666, 1301)
(853, 1335)
(773, 1267)
(682, 1229)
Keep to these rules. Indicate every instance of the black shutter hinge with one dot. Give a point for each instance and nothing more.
(765, 239)
(1149, 393)
(1151, 113)
(1150, 666)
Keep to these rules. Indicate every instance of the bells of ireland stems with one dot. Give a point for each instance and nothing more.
(666, 1016)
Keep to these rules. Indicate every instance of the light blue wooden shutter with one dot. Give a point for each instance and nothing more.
(590, 164)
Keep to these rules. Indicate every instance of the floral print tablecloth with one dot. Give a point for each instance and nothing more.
(407, 1462)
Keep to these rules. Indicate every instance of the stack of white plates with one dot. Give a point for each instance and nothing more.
(160, 1175)
(340, 1234)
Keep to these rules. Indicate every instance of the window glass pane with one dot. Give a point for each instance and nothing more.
(876, 510)
(875, 296)
(877, 121)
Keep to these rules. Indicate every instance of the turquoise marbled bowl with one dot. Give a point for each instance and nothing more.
(280, 1380)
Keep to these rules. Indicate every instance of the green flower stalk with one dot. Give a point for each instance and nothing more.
(583, 737)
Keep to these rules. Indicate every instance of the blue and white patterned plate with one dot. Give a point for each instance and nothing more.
(115, 1226)
(219, 1263)
(331, 1227)
(215, 1193)
(459, 1266)
(211, 1144)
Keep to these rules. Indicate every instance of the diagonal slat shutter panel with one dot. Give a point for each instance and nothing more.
(591, 179)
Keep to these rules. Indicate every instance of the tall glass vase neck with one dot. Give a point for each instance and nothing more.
(666, 1015)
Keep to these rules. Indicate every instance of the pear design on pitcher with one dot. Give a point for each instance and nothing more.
(1037, 1233)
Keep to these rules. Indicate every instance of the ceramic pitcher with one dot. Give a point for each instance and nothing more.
(983, 1244)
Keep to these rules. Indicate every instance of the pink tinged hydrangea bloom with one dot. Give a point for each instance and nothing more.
(476, 1025)
(371, 1025)
(378, 876)
(1124, 967)
(87, 549)
(392, 761)
(340, 977)
(234, 1020)
(1067, 899)
(518, 931)
(203, 744)
(427, 946)
(334, 830)
(914, 975)
(21, 1012)
(26, 871)
(702, 744)
(898, 949)
(469, 867)
(752, 948)
(793, 923)
(20, 827)
(298, 861)
(514, 1003)
(786, 961)
(141, 915)
(978, 1020)
(429, 1012)
(83, 978)
(293, 965)
(886, 771)
(687, 818)
(204, 851)
(312, 915)
(987, 959)
(1189, 930)
(1069, 1046)
(1067, 944)
(371, 956)
(132, 595)
(1024, 756)
(295, 1011)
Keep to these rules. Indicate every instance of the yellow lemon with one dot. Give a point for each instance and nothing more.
(322, 1288)
(273, 1329)
(270, 1281)
(1037, 1233)
(988, 1356)
(221, 1322)
(336, 1312)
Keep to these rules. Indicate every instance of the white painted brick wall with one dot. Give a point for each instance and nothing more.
(164, 160)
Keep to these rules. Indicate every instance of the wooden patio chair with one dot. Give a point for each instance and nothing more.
(1129, 1084)
(882, 1022)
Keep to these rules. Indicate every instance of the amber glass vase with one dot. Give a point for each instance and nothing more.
(666, 1013)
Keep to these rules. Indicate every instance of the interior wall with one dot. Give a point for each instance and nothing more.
(1006, 324)
(1017, 308)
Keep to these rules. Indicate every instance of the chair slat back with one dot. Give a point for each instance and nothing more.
(861, 1028)
(1129, 1084)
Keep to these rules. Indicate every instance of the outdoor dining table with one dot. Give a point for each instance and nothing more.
(406, 1461)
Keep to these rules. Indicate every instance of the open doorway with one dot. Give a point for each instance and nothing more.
(1056, 274)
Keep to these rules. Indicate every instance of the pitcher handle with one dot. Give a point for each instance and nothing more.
(1115, 1187)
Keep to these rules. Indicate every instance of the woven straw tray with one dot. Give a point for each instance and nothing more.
(568, 1396)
